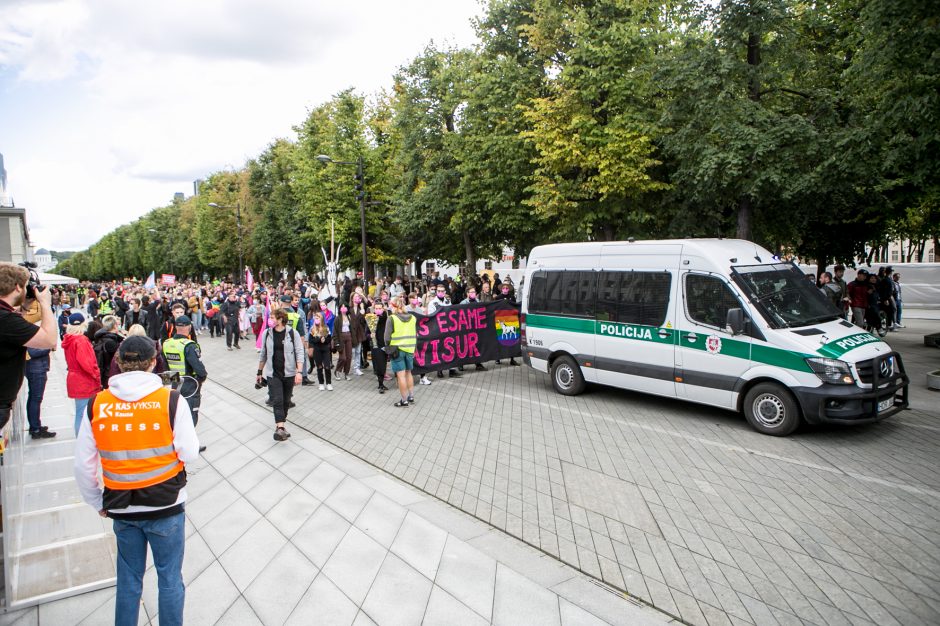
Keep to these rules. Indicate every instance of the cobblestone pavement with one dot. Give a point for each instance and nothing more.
(682, 506)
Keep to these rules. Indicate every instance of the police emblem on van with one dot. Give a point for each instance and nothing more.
(713, 344)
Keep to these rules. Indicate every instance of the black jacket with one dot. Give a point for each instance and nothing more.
(107, 344)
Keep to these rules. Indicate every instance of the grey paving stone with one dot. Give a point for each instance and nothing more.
(399, 594)
(210, 504)
(216, 593)
(246, 478)
(245, 559)
(293, 509)
(572, 615)
(322, 480)
(468, 575)
(520, 601)
(349, 498)
(318, 537)
(65, 611)
(381, 518)
(229, 525)
(300, 465)
(280, 586)
(420, 544)
(353, 565)
(445, 610)
(323, 603)
(240, 614)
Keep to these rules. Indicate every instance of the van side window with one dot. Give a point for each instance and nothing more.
(633, 297)
(707, 300)
(563, 293)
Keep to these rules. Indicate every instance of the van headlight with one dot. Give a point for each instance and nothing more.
(831, 371)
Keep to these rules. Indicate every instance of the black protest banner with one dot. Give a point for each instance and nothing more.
(463, 334)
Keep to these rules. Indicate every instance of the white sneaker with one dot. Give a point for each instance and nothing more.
(329, 387)
(358, 372)
(346, 378)
(322, 387)
(900, 325)
(424, 381)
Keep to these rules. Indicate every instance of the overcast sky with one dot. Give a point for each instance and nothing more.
(108, 107)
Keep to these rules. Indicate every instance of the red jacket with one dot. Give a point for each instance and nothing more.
(858, 294)
(83, 380)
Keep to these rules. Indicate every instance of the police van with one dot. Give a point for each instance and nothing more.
(714, 321)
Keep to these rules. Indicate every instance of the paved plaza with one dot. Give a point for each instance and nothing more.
(682, 506)
(507, 489)
(301, 532)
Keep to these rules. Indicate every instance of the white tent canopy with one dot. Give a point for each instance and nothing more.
(56, 279)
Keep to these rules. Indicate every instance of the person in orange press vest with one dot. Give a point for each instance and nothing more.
(142, 435)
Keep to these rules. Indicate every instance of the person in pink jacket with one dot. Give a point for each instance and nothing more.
(84, 379)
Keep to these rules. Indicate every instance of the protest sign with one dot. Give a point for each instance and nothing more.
(464, 334)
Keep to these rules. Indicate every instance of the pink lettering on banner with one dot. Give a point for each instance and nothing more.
(423, 330)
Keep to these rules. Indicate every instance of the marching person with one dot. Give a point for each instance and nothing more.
(439, 301)
(505, 293)
(229, 311)
(84, 379)
(401, 337)
(376, 321)
(182, 355)
(281, 363)
(320, 344)
(142, 448)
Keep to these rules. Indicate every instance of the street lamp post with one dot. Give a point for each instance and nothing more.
(361, 196)
(238, 227)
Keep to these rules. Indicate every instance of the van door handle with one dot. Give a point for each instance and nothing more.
(691, 337)
(663, 333)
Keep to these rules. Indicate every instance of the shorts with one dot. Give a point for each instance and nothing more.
(404, 362)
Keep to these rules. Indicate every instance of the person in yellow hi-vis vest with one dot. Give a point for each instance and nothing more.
(182, 355)
(401, 337)
(142, 436)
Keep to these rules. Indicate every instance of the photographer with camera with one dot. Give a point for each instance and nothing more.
(17, 334)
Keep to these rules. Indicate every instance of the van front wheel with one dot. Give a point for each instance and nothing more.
(771, 409)
(566, 376)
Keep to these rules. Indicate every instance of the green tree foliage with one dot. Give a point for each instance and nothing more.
(808, 127)
(594, 129)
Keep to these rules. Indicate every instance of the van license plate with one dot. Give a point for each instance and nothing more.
(885, 405)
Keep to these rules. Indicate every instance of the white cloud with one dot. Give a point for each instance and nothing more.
(108, 106)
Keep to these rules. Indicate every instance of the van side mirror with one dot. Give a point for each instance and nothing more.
(735, 322)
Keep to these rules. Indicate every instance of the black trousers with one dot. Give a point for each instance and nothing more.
(379, 363)
(215, 326)
(280, 391)
(231, 329)
(194, 401)
(323, 359)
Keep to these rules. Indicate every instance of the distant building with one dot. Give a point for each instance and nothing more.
(179, 196)
(14, 235)
(196, 186)
(5, 199)
(44, 260)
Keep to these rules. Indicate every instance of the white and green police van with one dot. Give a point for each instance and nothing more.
(716, 321)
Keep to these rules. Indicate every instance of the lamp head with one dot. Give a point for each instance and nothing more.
(324, 158)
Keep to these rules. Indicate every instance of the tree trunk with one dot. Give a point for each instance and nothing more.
(744, 218)
(471, 254)
(822, 260)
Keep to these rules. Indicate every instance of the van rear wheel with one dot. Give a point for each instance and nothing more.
(566, 376)
(771, 409)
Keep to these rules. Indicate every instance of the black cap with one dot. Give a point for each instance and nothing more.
(183, 320)
(285, 298)
(136, 348)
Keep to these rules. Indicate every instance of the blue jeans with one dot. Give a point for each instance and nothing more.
(167, 537)
(37, 388)
(81, 405)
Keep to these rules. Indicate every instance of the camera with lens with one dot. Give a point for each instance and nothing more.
(32, 285)
(170, 379)
(263, 383)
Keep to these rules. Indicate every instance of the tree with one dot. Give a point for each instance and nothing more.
(594, 129)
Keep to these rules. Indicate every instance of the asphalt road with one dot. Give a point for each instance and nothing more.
(682, 506)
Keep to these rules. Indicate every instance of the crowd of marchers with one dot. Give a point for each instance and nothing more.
(873, 301)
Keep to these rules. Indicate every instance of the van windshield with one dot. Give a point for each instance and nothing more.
(783, 295)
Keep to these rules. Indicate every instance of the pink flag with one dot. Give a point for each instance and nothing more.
(249, 279)
(267, 318)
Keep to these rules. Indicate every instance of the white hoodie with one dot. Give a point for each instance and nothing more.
(131, 386)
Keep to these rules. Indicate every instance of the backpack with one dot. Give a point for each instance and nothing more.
(104, 357)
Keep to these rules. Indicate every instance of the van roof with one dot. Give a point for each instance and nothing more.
(721, 250)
